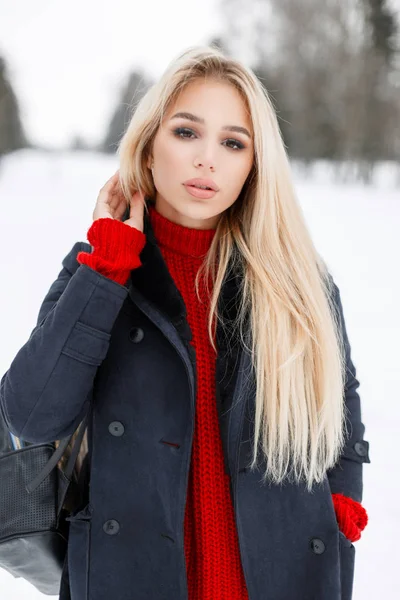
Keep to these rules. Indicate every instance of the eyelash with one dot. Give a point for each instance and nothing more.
(180, 130)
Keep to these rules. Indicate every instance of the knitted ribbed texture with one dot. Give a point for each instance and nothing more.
(214, 569)
(116, 248)
(351, 516)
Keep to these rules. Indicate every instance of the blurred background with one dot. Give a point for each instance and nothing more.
(70, 77)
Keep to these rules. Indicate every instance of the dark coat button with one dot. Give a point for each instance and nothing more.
(111, 527)
(136, 334)
(116, 428)
(361, 448)
(317, 546)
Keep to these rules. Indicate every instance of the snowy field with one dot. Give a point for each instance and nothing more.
(47, 202)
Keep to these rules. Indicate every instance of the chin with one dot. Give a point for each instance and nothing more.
(198, 213)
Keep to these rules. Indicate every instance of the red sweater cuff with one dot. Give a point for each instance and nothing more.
(351, 516)
(116, 249)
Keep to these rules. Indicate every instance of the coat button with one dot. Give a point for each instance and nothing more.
(116, 428)
(361, 448)
(111, 527)
(317, 546)
(136, 334)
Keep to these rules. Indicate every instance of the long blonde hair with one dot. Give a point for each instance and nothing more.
(296, 349)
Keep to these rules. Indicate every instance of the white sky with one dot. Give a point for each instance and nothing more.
(68, 60)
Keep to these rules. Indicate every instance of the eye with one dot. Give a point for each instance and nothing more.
(239, 145)
(186, 133)
(182, 132)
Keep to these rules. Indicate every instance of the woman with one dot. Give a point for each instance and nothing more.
(207, 336)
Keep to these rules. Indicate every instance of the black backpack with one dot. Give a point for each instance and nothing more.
(41, 487)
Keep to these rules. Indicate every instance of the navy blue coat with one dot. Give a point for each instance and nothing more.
(125, 352)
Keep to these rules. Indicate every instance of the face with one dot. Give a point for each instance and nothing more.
(206, 134)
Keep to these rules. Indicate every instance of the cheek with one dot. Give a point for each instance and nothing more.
(237, 177)
(171, 152)
(170, 160)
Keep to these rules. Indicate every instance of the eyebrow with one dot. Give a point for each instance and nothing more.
(191, 117)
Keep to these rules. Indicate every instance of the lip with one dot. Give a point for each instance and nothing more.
(202, 181)
(200, 193)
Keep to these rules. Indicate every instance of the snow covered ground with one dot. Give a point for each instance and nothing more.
(46, 204)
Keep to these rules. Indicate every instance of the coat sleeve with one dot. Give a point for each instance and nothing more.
(346, 477)
(46, 390)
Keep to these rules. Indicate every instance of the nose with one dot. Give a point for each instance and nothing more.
(206, 160)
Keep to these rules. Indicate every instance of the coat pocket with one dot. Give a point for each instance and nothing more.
(347, 562)
(78, 552)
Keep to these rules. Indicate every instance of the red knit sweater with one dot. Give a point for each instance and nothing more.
(214, 569)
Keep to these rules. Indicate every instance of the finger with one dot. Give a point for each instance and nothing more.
(113, 178)
(116, 196)
(111, 188)
(110, 183)
(117, 201)
(119, 211)
(137, 205)
(137, 199)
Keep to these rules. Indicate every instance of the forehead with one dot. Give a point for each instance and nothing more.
(213, 101)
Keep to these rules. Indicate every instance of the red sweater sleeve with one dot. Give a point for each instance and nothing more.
(351, 516)
(116, 249)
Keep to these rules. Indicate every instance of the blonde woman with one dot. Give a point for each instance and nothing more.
(225, 446)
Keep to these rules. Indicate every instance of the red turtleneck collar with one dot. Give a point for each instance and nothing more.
(180, 239)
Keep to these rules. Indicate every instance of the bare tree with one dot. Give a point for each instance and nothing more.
(326, 66)
(12, 136)
(134, 90)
